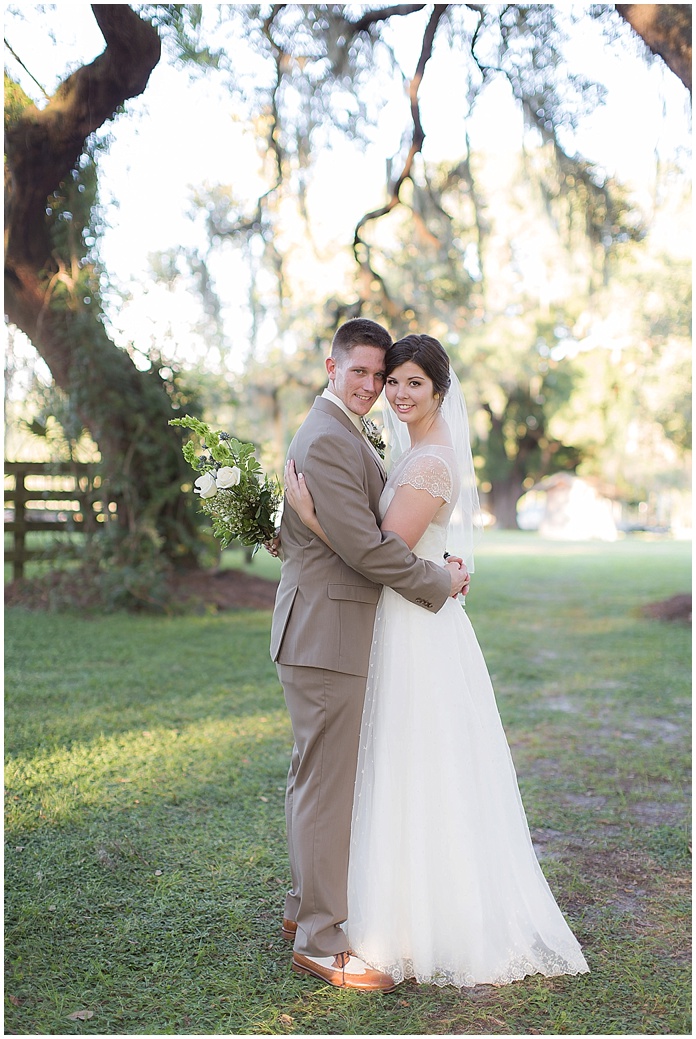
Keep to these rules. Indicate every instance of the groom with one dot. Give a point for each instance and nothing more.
(321, 637)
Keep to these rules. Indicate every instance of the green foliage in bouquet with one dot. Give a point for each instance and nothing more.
(239, 499)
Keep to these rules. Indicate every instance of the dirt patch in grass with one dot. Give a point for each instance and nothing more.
(629, 880)
(676, 608)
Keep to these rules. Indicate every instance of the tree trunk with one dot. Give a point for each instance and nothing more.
(666, 29)
(503, 499)
(50, 291)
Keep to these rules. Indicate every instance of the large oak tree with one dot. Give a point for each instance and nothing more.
(51, 288)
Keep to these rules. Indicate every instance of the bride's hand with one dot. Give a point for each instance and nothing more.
(273, 546)
(298, 496)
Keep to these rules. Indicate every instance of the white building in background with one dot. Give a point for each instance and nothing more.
(566, 507)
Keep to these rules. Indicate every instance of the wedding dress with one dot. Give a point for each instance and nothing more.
(444, 885)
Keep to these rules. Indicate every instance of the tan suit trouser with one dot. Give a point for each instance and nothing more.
(325, 710)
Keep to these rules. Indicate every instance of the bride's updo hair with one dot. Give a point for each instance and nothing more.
(427, 353)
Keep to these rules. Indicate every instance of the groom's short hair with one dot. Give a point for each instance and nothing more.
(359, 331)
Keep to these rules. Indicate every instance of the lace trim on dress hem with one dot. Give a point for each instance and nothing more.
(441, 977)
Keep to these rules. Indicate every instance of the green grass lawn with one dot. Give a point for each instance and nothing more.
(145, 854)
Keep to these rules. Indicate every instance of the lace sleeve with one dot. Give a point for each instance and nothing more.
(428, 473)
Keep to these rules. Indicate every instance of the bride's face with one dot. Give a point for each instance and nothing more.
(411, 393)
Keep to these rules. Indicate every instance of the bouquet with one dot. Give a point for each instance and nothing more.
(241, 502)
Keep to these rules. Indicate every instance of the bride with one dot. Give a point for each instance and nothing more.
(443, 882)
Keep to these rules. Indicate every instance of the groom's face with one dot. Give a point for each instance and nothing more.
(357, 378)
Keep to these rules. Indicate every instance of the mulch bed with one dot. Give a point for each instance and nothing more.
(225, 589)
(191, 589)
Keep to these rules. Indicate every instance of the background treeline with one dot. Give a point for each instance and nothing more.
(561, 293)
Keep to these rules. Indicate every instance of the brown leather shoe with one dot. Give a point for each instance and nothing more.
(289, 929)
(343, 971)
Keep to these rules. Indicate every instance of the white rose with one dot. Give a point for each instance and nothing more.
(205, 486)
(228, 476)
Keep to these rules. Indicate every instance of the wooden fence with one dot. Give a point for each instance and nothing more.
(52, 496)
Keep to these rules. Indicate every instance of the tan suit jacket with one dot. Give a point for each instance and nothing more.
(326, 600)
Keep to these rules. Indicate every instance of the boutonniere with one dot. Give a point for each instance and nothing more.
(374, 435)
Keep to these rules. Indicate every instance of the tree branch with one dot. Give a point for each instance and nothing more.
(21, 63)
(416, 140)
(666, 30)
(371, 17)
(478, 9)
(91, 95)
(43, 145)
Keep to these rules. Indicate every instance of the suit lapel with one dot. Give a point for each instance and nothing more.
(376, 458)
(322, 404)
